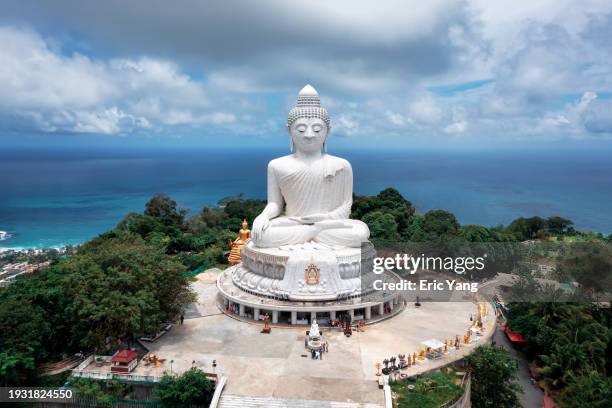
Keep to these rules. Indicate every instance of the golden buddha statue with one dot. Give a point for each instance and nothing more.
(466, 338)
(478, 321)
(244, 236)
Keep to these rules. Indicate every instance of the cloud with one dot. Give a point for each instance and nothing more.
(57, 93)
(458, 124)
(271, 44)
(447, 70)
(597, 117)
(425, 110)
(33, 75)
(397, 118)
(346, 125)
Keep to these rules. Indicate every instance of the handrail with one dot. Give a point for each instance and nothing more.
(388, 399)
(107, 375)
(85, 363)
(218, 390)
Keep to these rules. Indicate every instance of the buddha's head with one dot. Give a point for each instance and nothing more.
(308, 122)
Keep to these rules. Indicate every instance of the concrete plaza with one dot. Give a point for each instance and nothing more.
(277, 365)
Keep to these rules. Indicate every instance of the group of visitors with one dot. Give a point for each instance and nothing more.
(318, 354)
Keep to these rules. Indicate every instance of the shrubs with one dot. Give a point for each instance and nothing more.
(192, 388)
(494, 374)
(430, 391)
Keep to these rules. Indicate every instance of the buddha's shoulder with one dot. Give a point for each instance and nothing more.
(338, 161)
(289, 162)
(281, 162)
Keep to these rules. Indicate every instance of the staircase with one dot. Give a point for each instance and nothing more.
(234, 401)
(58, 367)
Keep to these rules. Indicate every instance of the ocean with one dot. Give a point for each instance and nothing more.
(54, 197)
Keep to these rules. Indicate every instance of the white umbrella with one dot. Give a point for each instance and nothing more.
(434, 344)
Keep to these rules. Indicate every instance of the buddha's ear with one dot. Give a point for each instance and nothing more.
(290, 137)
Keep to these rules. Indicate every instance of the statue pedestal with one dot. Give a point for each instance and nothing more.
(305, 272)
(303, 283)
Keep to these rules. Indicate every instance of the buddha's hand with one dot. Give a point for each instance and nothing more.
(260, 224)
(310, 219)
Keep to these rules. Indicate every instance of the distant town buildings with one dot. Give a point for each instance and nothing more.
(11, 271)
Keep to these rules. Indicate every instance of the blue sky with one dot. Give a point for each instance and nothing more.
(224, 73)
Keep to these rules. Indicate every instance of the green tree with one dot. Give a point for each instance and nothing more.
(494, 373)
(23, 328)
(579, 347)
(16, 368)
(103, 392)
(401, 209)
(559, 226)
(141, 224)
(475, 233)
(594, 391)
(415, 231)
(165, 209)
(590, 264)
(528, 228)
(206, 219)
(237, 210)
(388, 201)
(382, 226)
(439, 224)
(121, 287)
(189, 389)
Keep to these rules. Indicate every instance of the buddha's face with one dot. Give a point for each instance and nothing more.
(308, 134)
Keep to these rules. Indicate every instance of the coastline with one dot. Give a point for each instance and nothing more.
(38, 250)
(5, 237)
(65, 203)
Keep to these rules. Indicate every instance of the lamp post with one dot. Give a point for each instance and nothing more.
(171, 362)
(214, 366)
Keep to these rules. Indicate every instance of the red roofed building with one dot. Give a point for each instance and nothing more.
(514, 337)
(124, 361)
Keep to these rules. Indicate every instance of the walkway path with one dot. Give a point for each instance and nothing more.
(59, 366)
(532, 396)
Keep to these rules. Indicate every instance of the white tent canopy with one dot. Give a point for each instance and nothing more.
(433, 344)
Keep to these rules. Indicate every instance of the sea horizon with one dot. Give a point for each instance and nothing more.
(59, 197)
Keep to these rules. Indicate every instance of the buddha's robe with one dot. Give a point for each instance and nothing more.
(322, 187)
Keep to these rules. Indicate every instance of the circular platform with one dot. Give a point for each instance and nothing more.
(305, 272)
(246, 305)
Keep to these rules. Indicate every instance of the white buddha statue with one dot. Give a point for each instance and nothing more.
(314, 329)
(310, 192)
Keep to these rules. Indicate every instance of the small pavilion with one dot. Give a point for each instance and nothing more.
(124, 361)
